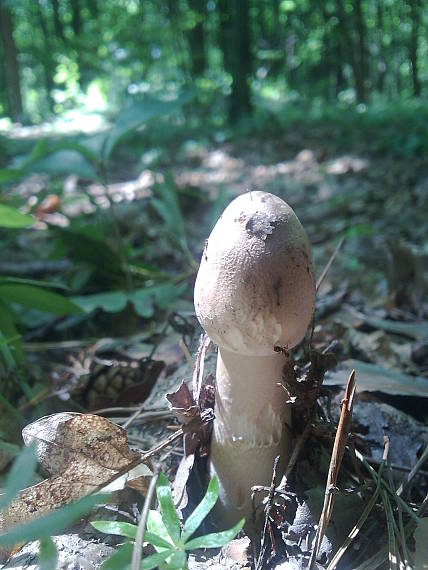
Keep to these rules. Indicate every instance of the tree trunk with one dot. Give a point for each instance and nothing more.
(414, 15)
(76, 19)
(360, 60)
(181, 61)
(11, 69)
(196, 38)
(48, 63)
(238, 48)
(93, 8)
(59, 31)
(381, 65)
(224, 31)
(345, 53)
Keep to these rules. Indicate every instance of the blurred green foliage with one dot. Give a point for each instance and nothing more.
(77, 58)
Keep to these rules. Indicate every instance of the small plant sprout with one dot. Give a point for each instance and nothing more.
(164, 531)
(254, 294)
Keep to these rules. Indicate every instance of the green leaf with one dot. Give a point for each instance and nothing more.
(421, 544)
(92, 250)
(9, 175)
(12, 218)
(177, 561)
(110, 302)
(168, 208)
(142, 299)
(134, 117)
(48, 555)
(38, 298)
(10, 333)
(121, 559)
(21, 475)
(167, 509)
(47, 525)
(201, 511)
(154, 560)
(115, 527)
(35, 282)
(215, 539)
(167, 293)
(156, 526)
(156, 540)
(64, 162)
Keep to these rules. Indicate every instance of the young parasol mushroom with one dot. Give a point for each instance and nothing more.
(255, 291)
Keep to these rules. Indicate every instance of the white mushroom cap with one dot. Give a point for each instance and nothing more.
(255, 288)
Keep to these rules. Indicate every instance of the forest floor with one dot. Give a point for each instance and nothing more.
(371, 307)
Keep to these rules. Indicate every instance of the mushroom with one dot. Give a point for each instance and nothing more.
(254, 292)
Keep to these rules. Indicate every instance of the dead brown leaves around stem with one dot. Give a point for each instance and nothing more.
(83, 454)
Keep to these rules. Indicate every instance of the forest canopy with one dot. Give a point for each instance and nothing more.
(61, 55)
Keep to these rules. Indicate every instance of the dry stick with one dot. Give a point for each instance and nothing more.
(367, 510)
(329, 264)
(336, 460)
(296, 452)
(198, 371)
(186, 353)
(268, 508)
(137, 552)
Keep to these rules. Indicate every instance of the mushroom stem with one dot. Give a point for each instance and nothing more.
(249, 428)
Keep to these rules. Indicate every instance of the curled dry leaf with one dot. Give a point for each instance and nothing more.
(188, 406)
(83, 454)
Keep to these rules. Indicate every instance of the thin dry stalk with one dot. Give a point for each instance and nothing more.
(329, 264)
(336, 460)
(141, 529)
(186, 353)
(367, 510)
(263, 546)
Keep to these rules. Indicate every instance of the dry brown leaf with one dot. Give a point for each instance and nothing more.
(83, 453)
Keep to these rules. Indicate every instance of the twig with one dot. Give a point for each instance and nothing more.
(336, 460)
(141, 529)
(329, 264)
(198, 371)
(367, 510)
(267, 513)
(296, 452)
(186, 353)
(143, 417)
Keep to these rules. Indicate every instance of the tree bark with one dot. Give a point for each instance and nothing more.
(196, 38)
(224, 31)
(76, 20)
(345, 52)
(381, 65)
(238, 48)
(415, 17)
(360, 60)
(93, 8)
(59, 31)
(11, 68)
(48, 63)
